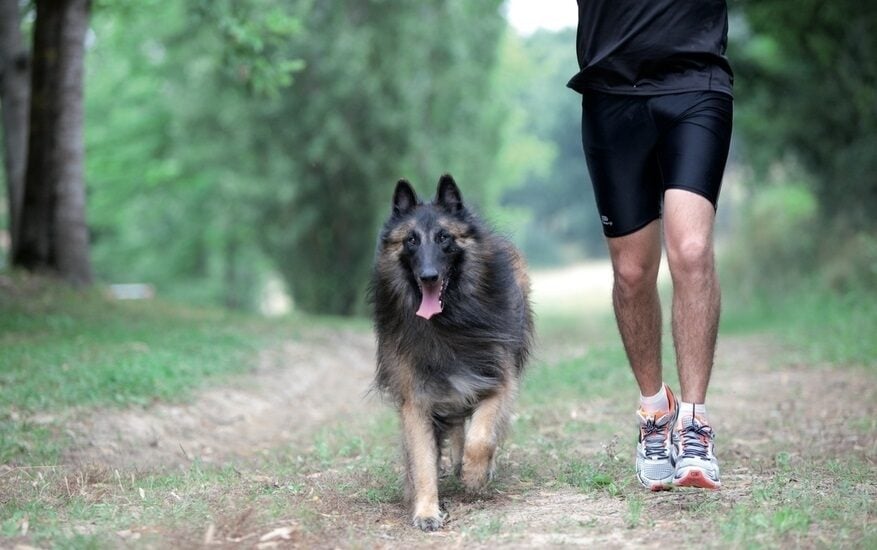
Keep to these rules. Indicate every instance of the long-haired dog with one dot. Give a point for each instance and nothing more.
(454, 329)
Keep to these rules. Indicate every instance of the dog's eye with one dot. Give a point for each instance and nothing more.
(412, 240)
(443, 237)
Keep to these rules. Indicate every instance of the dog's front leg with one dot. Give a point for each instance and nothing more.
(421, 455)
(485, 433)
(456, 440)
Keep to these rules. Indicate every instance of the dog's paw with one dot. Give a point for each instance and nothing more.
(430, 523)
(475, 479)
(471, 482)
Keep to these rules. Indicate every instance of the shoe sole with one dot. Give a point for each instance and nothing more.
(696, 478)
(656, 486)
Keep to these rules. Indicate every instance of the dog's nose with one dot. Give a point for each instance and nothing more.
(429, 275)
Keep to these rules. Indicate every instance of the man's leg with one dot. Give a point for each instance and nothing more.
(688, 229)
(688, 225)
(635, 261)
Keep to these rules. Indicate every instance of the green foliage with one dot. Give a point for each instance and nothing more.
(851, 261)
(253, 37)
(230, 139)
(551, 185)
(170, 168)
(775, 243)
(805, 84)
(816, 290)
(820, 323)
(387, 97)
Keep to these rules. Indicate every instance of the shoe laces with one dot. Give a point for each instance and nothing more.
(654, 437)
(696, 439)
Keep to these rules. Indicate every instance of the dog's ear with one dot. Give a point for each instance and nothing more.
(447, 194)
(404, 198)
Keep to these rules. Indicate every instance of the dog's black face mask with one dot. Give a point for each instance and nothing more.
(430, 254)
(429, 249)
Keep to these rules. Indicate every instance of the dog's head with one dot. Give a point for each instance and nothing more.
(424, 243)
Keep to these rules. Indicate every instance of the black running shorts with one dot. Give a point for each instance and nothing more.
(637, 147)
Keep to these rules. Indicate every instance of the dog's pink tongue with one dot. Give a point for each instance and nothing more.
(430, 304)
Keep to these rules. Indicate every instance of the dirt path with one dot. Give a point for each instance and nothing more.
(764, 402)
(295, 390)
(765, 407)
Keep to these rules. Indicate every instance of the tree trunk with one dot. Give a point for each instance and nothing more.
(232, 289)
(14, 92)
(54, 234)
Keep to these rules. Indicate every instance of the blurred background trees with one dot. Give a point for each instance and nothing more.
(807, 74)
(47, 199)
(14, 108)
(554, 192)
(386, 96)
(806, 85)
(231, 143)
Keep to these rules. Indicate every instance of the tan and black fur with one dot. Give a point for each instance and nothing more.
(453, 376)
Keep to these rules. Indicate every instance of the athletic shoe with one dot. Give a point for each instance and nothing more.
(655, 450)
(696, 465)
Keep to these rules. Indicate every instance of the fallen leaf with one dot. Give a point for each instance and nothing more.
(284, 533)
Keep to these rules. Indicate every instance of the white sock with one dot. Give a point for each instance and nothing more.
(657, 402)
(697, 409)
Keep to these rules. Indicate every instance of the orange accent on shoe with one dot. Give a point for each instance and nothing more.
(696, 478)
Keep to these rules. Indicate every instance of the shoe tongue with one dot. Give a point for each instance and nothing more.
(658, 417)
(691, 421)
(430, 303)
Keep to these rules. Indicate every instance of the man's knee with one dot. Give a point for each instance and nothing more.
(635, 260)
(691, 256)
(634, 276)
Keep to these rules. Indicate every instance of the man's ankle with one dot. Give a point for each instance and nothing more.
(656, 403)
(693, 410)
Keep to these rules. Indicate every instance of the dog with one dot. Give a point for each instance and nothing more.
(454, 330)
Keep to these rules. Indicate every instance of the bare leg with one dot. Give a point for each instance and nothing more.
(688, 225)
(635, 261)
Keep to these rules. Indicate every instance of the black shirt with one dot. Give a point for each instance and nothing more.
(648, 47)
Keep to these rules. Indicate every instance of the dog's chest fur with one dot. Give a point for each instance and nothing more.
(452, 373)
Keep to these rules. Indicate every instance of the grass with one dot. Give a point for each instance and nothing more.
(59, 505)
(581, 473)
(89, 506)
(68, 348)
(485, 528)
(799, 498)
(345, 489)
(598, 371)
(823, 326)
(634, 511)
(65, 349)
